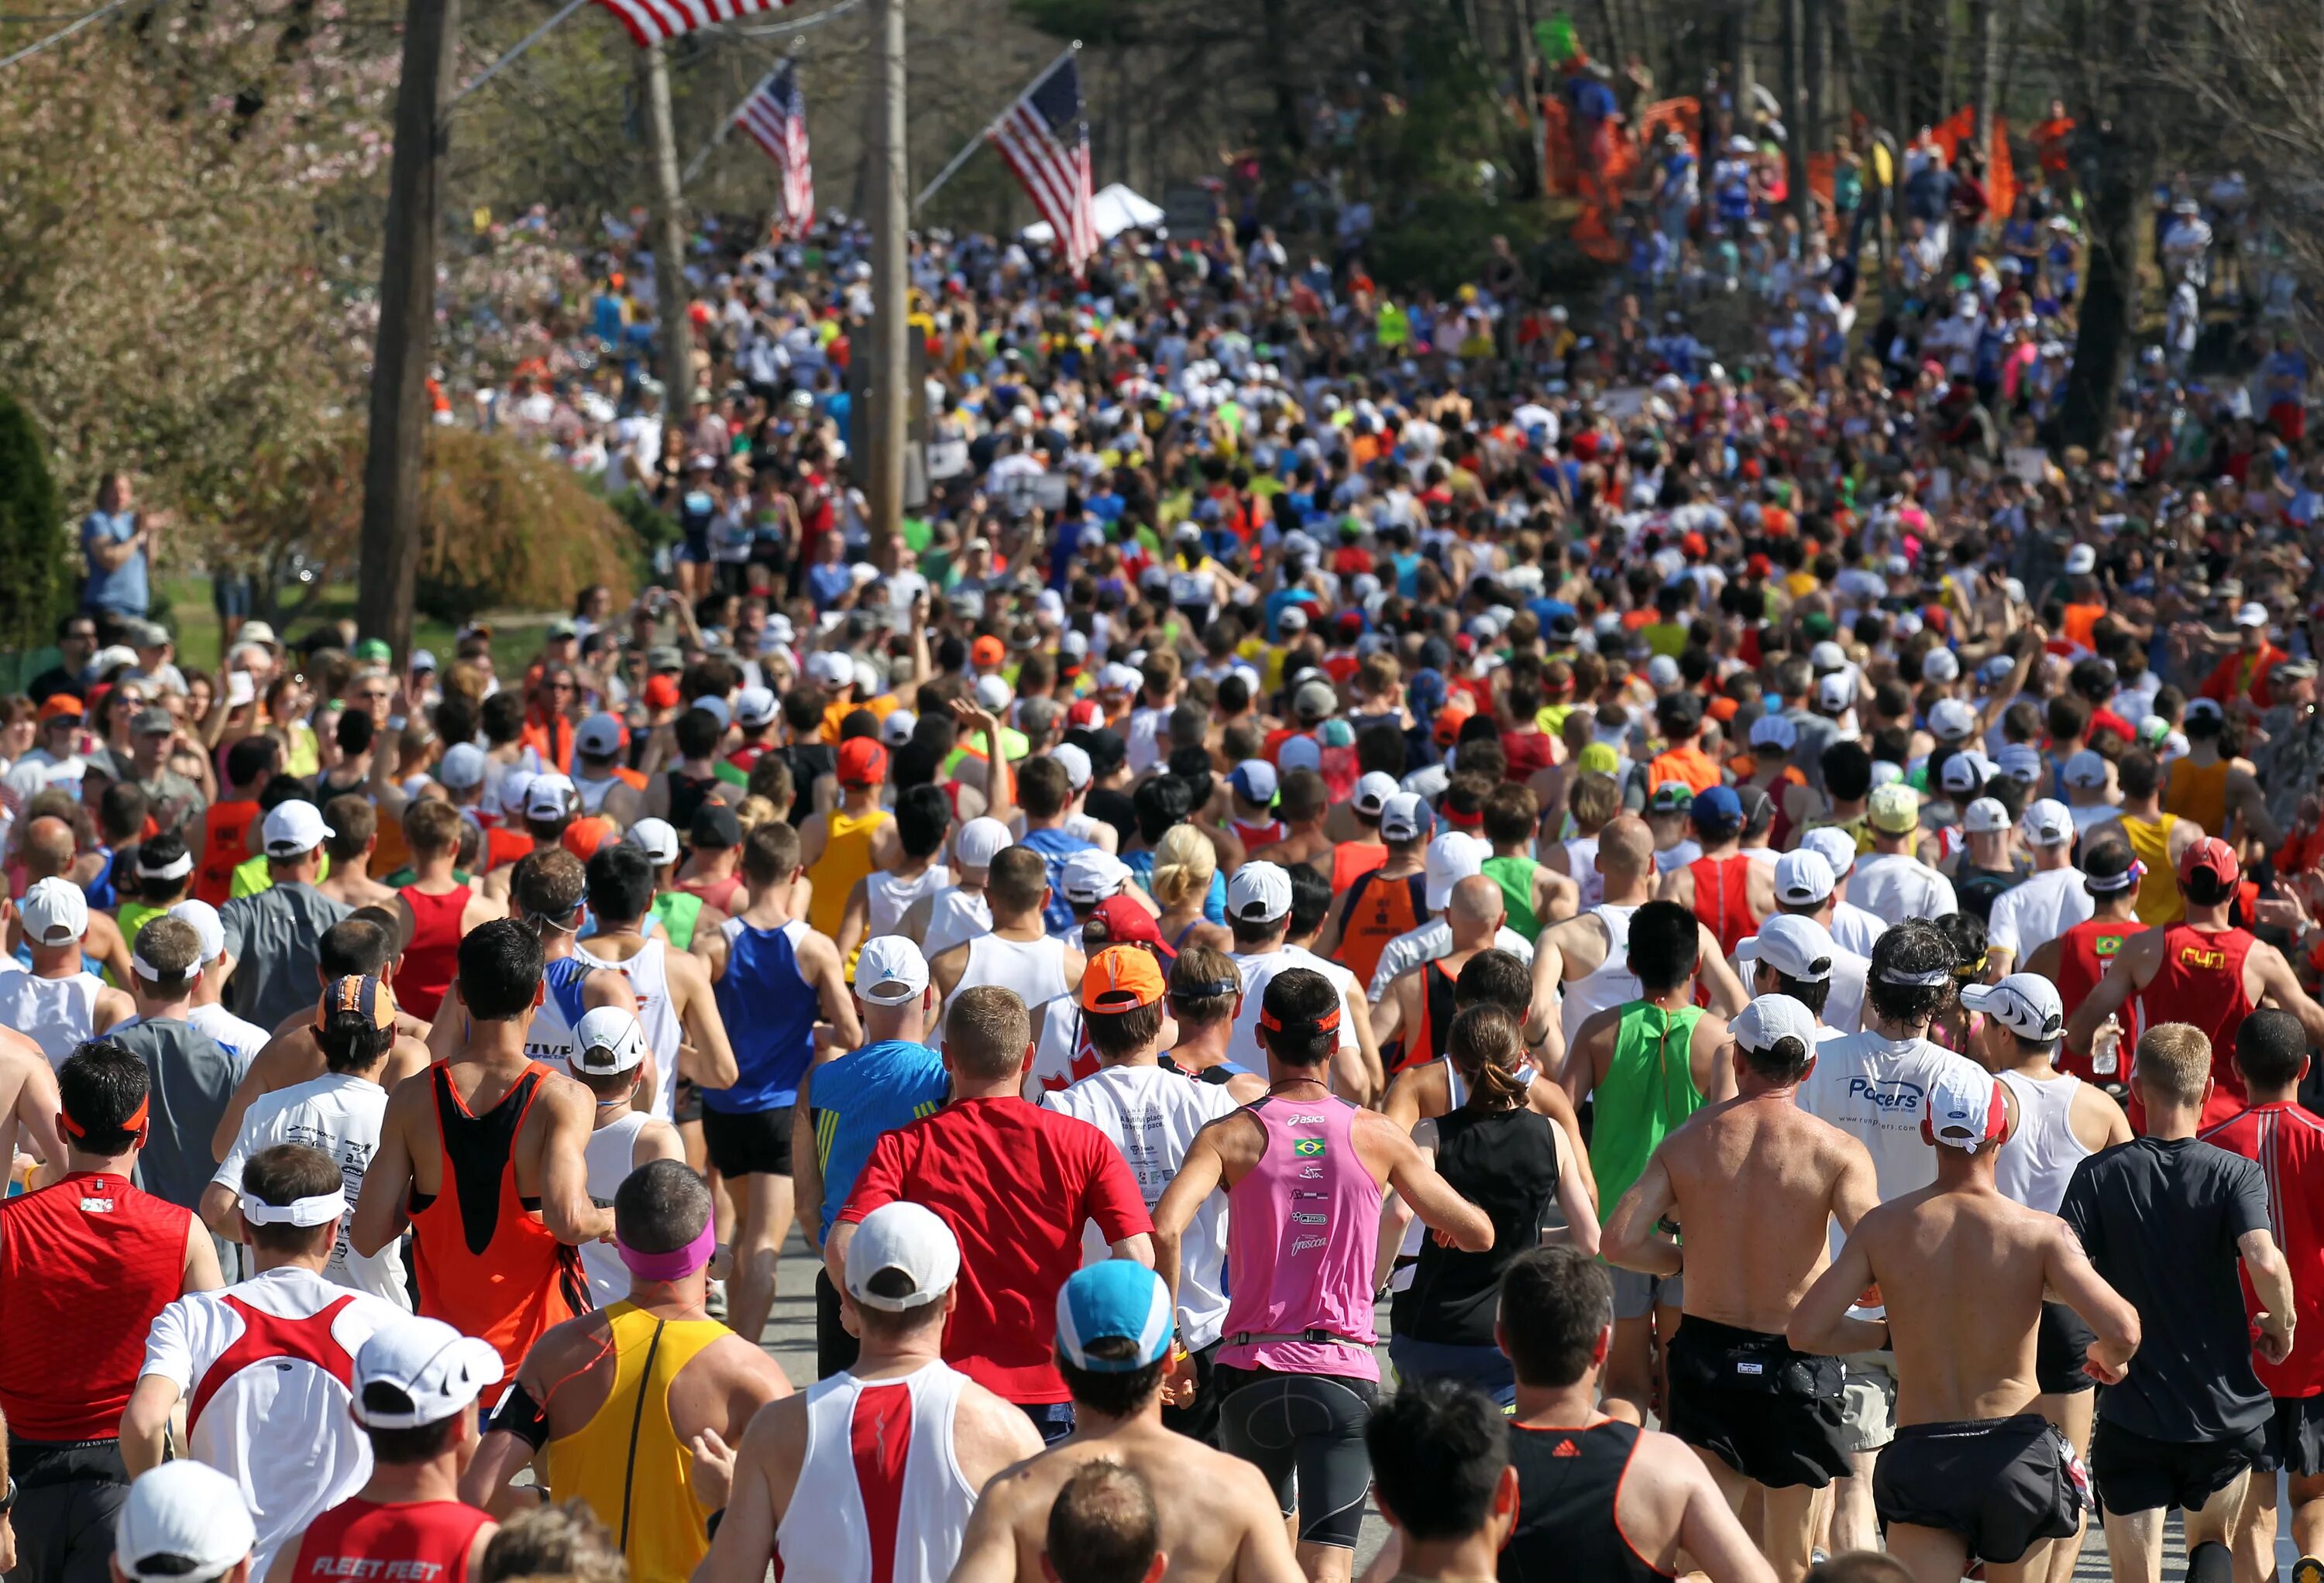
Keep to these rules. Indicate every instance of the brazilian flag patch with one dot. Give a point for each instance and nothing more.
(1308, 1148)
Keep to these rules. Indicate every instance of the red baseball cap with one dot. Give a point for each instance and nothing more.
(987, 650)
(583, 837)
(1120, 921)
(2213, 857)
(862, 761)
(661, 692)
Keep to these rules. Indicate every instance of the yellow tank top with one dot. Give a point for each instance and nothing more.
(2159, 901)
(627, 1461)
(2198, 792)
(846, 858)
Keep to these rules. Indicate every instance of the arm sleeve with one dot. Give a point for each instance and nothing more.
(230, 921)
(169, 1346)
(881, 1182)
(1112, 1197)
(2247, 1197)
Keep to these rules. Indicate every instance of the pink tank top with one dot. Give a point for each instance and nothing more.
(1302, 1231)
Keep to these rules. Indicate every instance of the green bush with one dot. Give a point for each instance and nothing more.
(32, 544)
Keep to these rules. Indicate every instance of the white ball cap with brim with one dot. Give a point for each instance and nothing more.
(2027, 1004)
(55, 911)
(902, 1256)
(294, 829)
(1803, 878)
(1966, 1110)
(2021, 761)
(1796, 947)
(754, 707)
(1260, 893)
(716, 708)
(831, 667)
(1835, 692)
(2048, 823)
(1299, 753)
(415, 1372)
(181, 1521)
(981, 841)
(890, 971)
(550, 797)
(1836, 845)
(993, 693)
(657, 838)
(1967, 773)
(1077, 762)
(1949, 719)
(462, 766)
(897, 728)
(1770, 1019)
(2254, 614)
(1091, 875)
(1774, 731)
(1453, 857)
(1827, 656)
(1985, 817)
(208, 927)
(2082, 558)
(1404, 817)
(1942, 665)
(600, 737)
(2084, 769)
(607, 1041)
(1373, 790)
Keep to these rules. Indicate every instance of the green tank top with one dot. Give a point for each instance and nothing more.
(131, 916)
(1648, 1090)
(679, 911)
(1514, 877)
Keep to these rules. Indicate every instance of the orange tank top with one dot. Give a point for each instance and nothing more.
(1350, 860)
(1378, 909)
(487, 1267)
(2198, 792)
(225, 845)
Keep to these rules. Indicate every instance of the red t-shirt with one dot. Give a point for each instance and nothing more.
(1014, 1182)
(2289, 1145)
(1528, 753)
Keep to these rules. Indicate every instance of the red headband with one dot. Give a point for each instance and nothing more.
(1323, 1025)
(136, 1123)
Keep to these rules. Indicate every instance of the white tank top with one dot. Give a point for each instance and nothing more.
(593, 793)
(56, 1014)
(1613, 983)
(889, 898)
(607, 1157)
(827, 1534)
(955, 917)
(1581, 862)
(2039, 1159)
(647, 972)
(1035, 969)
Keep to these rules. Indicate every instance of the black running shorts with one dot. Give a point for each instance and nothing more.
(2135, 1474)
(2001, 1484)
(1772, 1415)
(749, 1143)
(2060, 1347)
(2295, 1438)
(1305, 1432)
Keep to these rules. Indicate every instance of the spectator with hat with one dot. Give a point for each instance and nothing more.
(2241, 680)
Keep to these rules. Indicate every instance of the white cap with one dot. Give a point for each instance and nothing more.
(754, 707)
(980, 842)
(1091, 875)
(1838, 847)
(1966, 772)
(1373, 790)
(1118, 677)
(2048, 823)
(1835, 692)
(1803, 878)
(2084, 769)
(911, 1241)
(1985, 817)
(1076, 763)
(607, 1041)
(1292, 619)
(1940, 665)
(551, 796)
(462, 767)
(1404, 817)
(55, 912)
(208, 926)
(2080, 559)
(2207, 706)
(1770, 1019)
(657, 838)
(1949, 719)
(1774, 731)
(600, 737)
(1964, 1106)
(831, 667)
(513, 784)
(1253, 780)
(897, 728)
(1796, 947)
(294, 829)
(2254, 614)
(1453, 857)
(1827, 656)
(183, 1522)
(993, 693)
(1260, 893)
(2027, 1004)
(890, 971)
(433, 1367)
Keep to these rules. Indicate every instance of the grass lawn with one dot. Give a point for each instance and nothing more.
(516, 636)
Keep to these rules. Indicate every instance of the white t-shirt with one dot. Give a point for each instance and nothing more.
(1877, 1088)
(1258, 971)
(240, 1039)
(274, 1417)
(1854, 929)
(1895, 886)
(340, 1115)
(2036, 910)
(1152, 1117)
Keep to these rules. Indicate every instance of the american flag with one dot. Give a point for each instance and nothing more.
(1044, 138)
(650, 22)
(775, 115)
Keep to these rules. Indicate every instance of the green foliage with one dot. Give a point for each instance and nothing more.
(31, 534)
(1092, 22)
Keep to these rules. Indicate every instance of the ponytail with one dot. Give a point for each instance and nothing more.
(1487, 1045)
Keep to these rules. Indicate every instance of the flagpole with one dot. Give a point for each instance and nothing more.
(529, 40)
(969, 148)
(693, 165)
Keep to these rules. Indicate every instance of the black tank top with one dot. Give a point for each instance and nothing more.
(1505, 1162)
(686, 796)
(1567, 1483)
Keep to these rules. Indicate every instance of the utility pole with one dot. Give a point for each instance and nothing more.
(669, 243)
(390, 546)
(1796, 117)
(890, 386)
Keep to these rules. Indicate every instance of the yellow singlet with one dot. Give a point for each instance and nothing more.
(846, 858)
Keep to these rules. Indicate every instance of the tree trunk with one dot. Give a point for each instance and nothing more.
(1525, 162)
(2125, 168)
(1989, 75)
(1794, 78)
(1746, 80)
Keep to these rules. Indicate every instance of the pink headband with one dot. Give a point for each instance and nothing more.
(673, 1265)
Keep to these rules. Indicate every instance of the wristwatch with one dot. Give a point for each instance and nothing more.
(8, 1502)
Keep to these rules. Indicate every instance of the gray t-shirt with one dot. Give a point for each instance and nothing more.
(275, 939)
(192, 1077)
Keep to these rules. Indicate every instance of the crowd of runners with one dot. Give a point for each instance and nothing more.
(1707, 973)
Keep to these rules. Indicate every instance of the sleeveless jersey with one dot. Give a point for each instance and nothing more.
(1569, 1482)
(770, 1014)
(678, 911)
(1351, 858)
(2084, 952)
(84, 1265)
(1302, 1228)
(418, 1541)
(1515, 875)
(2201, 981)
(2288, 1142)
(1581, 865)
(647, 972)
(846, 858)
(1055, 846)
(132, 915)
(1647, 1090)
(607, 1157)
(1035, 969)
(2043, 1150)
(881, 1497)
(627, 1461)
(424, 971)
(56, 1014)
(1611, 984)
(226, 843)
(1377, 909)
(2159, 903)
(487, 1267)
(1424, 1042)
(1722, 899)
(2198, 792)
(549, 1038)
(717, 893)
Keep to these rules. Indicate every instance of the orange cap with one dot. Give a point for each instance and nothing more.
(1122, 978)
(368, 998)
(987, 650)
(862, 761)
(61, 704)
(583, 837)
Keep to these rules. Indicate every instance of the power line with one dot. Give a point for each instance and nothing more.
(58, 37)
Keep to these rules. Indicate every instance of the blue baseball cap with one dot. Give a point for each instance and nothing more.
(1119, 1297)
(1717, 808)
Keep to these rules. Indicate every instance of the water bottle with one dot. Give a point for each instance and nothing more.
(2106, 1048)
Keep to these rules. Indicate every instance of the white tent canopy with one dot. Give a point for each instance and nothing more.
(1116, 209)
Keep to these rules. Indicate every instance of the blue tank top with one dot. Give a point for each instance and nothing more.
(1055, 847)
(769, 1015)
(862, 1094)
